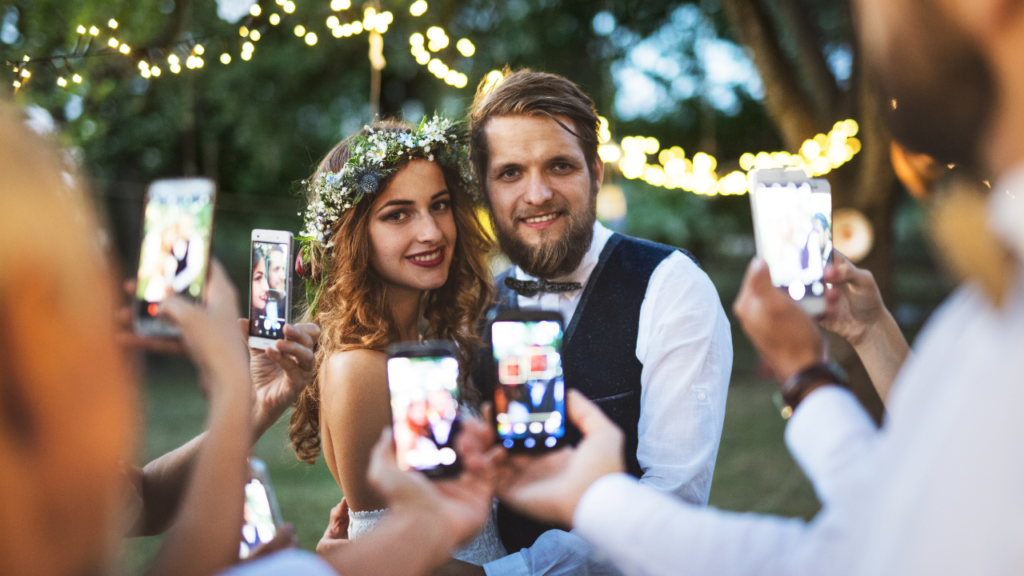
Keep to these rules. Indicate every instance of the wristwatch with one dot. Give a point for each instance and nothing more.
(800, 385)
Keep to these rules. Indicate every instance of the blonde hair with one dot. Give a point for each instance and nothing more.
(67, 403)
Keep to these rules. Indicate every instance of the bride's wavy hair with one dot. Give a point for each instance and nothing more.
(353, 311)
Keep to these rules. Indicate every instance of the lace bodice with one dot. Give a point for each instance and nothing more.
(486, 547)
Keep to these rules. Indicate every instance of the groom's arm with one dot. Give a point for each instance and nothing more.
(685, 345)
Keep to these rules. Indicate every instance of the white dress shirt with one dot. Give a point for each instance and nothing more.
(938, 490)
(685, 345)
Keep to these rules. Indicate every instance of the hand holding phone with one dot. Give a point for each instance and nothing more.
(423, 379)
(529, 393)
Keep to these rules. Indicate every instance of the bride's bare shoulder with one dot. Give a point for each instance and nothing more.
(357, 367)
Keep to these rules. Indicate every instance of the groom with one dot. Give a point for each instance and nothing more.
(646, 337)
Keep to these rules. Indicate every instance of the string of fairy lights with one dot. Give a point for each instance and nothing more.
(634, 156)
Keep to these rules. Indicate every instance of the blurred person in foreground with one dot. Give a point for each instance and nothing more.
(66, 432)
(937, 489)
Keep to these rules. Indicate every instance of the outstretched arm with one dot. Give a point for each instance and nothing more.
(278, 373)
(856, 313)
(204, 538)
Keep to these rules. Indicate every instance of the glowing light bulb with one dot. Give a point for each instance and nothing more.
(275, 19)
(78, 79)
(255, 10)
(300, 30)
(311, 38)
(289, 6)
(225, 58)
(254, 35)
(81, 29)
(333, 22)
(243, 31)
(61, 82)
(465, 47)
(418, 7)
(155, 71)
(113, 43)
(199, 47)
(94, 31)
(124, 49)
(338, 5)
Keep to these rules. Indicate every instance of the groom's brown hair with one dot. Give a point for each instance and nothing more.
(529, 93)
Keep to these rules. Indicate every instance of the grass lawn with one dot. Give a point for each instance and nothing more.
(753, 473)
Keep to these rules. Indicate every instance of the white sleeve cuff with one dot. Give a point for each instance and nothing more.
(512, 565)
(828, 433)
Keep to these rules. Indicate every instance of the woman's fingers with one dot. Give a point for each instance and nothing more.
(298, 355)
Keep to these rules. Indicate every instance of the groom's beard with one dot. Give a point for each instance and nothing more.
(556, 258)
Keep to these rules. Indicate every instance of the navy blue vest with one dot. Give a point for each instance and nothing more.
(599, 352)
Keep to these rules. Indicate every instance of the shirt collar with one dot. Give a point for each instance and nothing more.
(587, 264)
(1006, 209)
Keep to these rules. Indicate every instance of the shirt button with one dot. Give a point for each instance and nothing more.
(702, 396)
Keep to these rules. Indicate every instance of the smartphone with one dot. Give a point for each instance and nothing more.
(270, 286)
(423, 379)
(262, 516)
(175, 251)
(529, 389)
(793, 232)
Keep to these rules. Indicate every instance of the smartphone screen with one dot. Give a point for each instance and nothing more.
(529, 398)
(269, 299)
(176, 242)
(424, 412)
(795, 234)
(260, 516)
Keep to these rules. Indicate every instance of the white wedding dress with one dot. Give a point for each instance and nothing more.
(486, 547)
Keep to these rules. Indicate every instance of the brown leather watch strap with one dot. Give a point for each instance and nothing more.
(799, 385)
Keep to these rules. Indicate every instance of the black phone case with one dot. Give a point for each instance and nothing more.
(431, 349)
(520, 315)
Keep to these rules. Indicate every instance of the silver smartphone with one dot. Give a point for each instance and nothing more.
(793, 231)
(262, 516)
(177, 230)
(270, 286)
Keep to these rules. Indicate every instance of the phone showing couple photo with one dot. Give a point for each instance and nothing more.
(529, 389)
(793, 232)
(176, 233)
(423, 379)
(270, 286)
(261, 514)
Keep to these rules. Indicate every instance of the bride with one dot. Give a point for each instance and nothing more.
(392, 251)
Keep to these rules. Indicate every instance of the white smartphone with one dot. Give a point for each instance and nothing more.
(177, 231)
(270, 286)
(262, 516)
(793, 231)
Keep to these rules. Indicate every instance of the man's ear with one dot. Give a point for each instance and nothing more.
(597, 169)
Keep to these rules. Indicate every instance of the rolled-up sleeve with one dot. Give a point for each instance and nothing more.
(685, 346)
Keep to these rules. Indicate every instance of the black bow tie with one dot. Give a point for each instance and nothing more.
(530, 288)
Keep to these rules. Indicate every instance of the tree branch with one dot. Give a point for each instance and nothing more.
(785, 100)
(810, 59)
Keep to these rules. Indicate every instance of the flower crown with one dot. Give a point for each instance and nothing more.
(374, 157)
